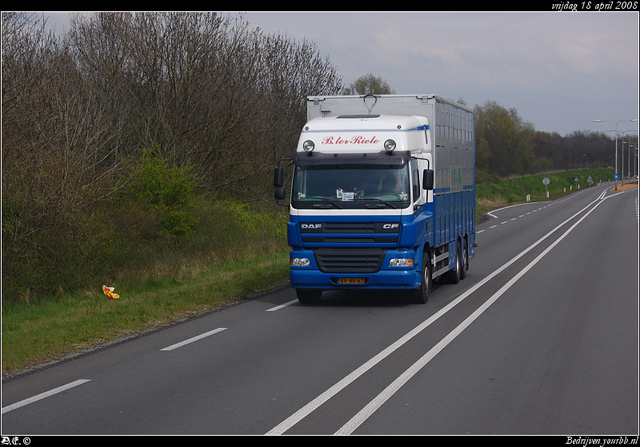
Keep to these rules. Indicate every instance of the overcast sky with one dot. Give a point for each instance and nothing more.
(559, 70)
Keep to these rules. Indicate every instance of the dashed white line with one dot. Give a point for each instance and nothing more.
(273, 309)
(46, 394)
(191, 340)
(528, 213)
(356, 421)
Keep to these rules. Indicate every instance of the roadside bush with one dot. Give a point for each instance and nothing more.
(159, 198)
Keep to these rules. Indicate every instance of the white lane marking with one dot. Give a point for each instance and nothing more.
(273, 309)
(381, 398)
(44, 395)
(505, 207)
(533, 211)
(343, 383)
(191, 340)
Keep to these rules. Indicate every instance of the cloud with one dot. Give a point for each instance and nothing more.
(559, 70)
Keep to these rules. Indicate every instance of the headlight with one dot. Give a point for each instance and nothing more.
(308, 146)
(389, 145)
(401, 262)
(300, 262)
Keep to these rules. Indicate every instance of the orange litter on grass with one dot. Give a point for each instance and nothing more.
(109, 292)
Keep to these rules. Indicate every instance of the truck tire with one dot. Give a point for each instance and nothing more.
(453, 276)
(465, 259)
(420, 295)
(306, 296)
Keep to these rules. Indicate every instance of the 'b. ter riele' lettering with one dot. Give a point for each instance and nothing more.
(354, 140)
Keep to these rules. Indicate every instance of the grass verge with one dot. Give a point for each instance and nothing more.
(503, 192)
(33, 334)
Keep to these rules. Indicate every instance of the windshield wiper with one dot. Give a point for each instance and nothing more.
(331, 203)
(382, 203)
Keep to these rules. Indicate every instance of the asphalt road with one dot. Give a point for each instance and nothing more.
(540, 338)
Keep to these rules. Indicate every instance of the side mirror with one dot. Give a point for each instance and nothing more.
(427, 179)
(278, 176)
(278, 180)
(279, 194)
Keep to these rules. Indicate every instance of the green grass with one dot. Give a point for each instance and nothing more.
(33, 334)
(504, 192)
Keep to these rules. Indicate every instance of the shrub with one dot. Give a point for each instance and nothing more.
(159, 197)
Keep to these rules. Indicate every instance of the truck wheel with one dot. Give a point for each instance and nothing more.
(420, 295)
(308, 296)
(465, 260)
(453, 276)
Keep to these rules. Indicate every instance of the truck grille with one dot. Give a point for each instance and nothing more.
(349, 260)
(350, 233)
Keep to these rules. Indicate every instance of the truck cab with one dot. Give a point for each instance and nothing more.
(362, 205)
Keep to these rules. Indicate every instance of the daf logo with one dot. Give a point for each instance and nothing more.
(311, 225)
(390, 226)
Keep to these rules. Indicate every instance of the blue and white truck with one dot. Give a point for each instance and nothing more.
(382, 195)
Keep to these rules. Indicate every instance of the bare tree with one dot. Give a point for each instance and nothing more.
(206, 87)
(78, 111)
(54, 133)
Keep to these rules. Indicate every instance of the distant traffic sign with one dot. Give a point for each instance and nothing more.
(616, 176)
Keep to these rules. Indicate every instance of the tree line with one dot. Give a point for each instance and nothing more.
(506, 145)
(114, 126)
(88, 115)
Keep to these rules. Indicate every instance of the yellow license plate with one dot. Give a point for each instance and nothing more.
(351, 281)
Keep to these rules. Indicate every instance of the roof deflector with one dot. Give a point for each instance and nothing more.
(365, 101)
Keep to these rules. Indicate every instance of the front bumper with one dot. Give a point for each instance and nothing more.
(399, 278)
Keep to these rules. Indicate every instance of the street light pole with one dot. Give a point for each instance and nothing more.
(616, 123)
(628, 143)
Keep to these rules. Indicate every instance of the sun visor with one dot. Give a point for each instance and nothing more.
(381, 158)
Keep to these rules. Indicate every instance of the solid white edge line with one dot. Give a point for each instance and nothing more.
(46, 394)
(191, 340)
(328, 394)
(381, 398)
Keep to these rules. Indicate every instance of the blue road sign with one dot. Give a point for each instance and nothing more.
(616, 176)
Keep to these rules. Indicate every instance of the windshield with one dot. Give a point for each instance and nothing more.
(352, 186)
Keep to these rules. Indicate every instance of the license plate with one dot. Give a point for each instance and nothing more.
(351, 281)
